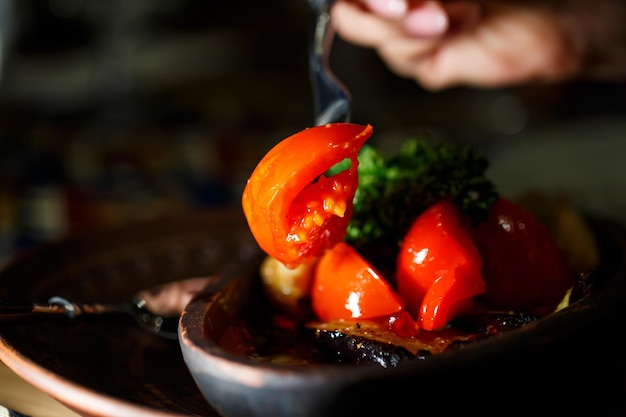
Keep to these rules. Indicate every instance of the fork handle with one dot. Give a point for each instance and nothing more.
(331, 99)
(10, 309)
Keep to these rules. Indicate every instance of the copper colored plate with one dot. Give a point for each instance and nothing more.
(111, 367)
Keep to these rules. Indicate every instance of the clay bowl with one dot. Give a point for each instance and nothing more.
(569, 362)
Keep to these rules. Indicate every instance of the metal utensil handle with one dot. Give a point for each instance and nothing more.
(11, 307)
(11, 310)
(330, 97)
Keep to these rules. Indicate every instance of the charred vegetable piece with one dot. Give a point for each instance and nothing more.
(372, 343)
(492, 323)
(368, 342)
(341, 347)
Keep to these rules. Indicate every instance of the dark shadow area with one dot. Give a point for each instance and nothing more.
(116, 111)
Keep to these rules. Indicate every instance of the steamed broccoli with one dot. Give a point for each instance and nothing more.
(393, 191)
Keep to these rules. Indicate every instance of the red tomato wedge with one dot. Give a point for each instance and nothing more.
(439, 266)
(294, 212)
(346, 286)
(524, 267)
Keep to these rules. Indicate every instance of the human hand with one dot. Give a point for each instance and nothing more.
(488, 44)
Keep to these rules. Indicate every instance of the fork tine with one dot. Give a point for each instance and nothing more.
(330, 97)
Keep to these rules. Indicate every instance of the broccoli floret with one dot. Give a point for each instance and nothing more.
(393, 191)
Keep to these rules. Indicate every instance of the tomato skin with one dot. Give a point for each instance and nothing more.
(346, 286)
(291, 216)
(400, 323)
(525, 269)
(439, 267)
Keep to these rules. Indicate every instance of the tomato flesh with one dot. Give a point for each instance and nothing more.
(292, 210)
(524, 268)
(439, 267)
(346, 286)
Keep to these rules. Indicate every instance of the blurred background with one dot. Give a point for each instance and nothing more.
(117, 111)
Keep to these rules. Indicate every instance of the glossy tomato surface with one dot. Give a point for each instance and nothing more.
(293, 210)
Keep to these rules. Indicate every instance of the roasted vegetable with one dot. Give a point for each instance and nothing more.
(425, 232)
(524, 268)
(294, 211)
(394, 190)
(346, 286)
(370, 342)
(439, 267)
(288, 289)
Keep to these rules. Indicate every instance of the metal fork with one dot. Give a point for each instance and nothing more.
(330, 96)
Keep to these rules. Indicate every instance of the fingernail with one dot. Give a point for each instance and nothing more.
(388, 8)
(427, 20)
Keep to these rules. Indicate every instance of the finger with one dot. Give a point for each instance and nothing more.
(463, 15)
(447, 67)
(426, 19)
(513, 49)
(387, 8)
(361, 27)
(404, 54)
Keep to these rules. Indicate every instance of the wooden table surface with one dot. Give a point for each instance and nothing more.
(19, 395)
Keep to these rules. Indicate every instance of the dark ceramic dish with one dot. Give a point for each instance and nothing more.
(569, 363)
(111, 367)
